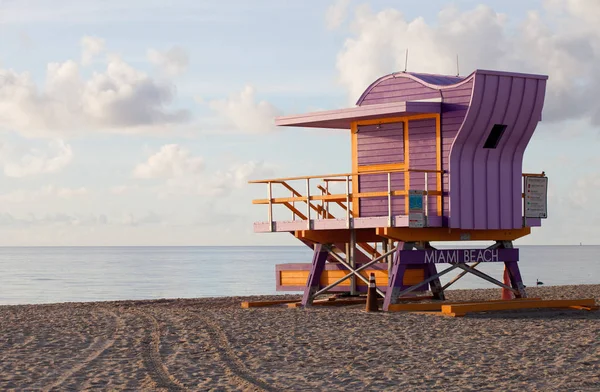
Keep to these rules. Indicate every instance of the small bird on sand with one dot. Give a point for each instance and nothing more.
(539, 283)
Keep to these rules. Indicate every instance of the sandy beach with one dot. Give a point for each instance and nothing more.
(213, 344)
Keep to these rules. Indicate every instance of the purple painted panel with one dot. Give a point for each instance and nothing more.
(533, 222)
(455, 93)
(389, 138)
(422, 155)
(397, 88)
(454, 109)
(485, 183)
(378, 206)
(455, 256)
(380, 144)
(343, 118)
(421, 86)
(317, 266)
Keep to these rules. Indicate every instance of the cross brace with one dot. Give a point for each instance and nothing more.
(396, 290)
(319, 258)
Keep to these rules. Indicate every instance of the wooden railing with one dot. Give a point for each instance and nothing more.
(342, 200)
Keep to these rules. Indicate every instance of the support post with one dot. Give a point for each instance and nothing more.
(352, 261)
(389, 198)
(348, 202)
(318, 265)
(390, 259)
(384, 249)
(515, 278)
(327, 203)
(293, 206)
(514, 273)
(397, 276)
(430, 270)
(270, 192)
(308, 203)
(426, 206)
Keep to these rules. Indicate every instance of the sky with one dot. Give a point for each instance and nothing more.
(141, 122)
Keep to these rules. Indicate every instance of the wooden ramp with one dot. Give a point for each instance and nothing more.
(459, 309)
(262, 304)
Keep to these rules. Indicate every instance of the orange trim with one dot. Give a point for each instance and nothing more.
(403, 165)
(354, 147)
(337, 198)
(407, 163)
(407, 234)
(438, 151)
(337, 236)
(397, 119)
(381, 167)
(324, 176)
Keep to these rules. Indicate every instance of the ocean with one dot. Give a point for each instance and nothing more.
(34, 275)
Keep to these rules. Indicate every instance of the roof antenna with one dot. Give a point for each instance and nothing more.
(457, 71)
(406, 61)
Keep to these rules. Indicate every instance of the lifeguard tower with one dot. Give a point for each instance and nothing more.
(434, 158)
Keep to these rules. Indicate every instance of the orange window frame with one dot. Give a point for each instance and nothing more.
(395, 166)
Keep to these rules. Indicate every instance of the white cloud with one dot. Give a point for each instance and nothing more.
(68, 193)
(68, 219)
(90, 48)
(336, 14)
(238, 175)
(172, 161)
(185, 174)
(220, 183)
(172, 62)
(27, 196)
(17, 163)
(245, 113)
(122, 189)
(584, 193)
(119, 99)
(137, 220)
(564, 44)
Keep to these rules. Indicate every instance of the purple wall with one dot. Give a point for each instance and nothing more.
(378, 206)
(397, 90)
(483, 185)
(422, 155)
(380, 144)
(454, 109)
(486, 183)
(386, 145)
(455, 93)
(406, 86)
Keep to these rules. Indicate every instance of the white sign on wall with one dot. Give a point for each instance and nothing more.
(536, 197)
(416, 215)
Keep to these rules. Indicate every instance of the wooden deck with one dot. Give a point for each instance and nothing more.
(338, 224)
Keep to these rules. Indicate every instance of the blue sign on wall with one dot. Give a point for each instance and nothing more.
(415, 201)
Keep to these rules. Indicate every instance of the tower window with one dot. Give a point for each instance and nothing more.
(495, 135)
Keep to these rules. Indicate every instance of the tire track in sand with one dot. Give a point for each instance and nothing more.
(150, 351)
(97, 347)
(233, 365)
